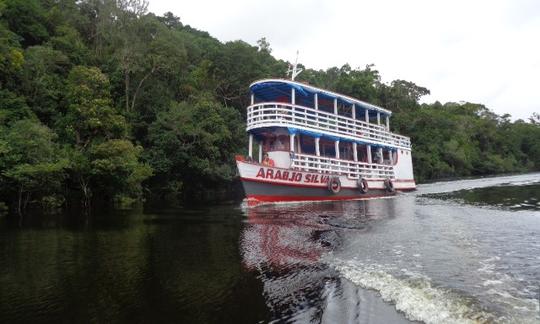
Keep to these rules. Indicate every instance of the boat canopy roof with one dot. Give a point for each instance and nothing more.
(272, 89)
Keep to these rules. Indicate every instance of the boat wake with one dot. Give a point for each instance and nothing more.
(417, 297)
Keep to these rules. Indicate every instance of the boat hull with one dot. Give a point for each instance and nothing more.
(274, 192)
(271, 184)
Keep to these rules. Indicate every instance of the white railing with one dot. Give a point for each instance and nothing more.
(283, 114)
(352, 169)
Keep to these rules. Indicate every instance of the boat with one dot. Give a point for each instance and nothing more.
(312, 144)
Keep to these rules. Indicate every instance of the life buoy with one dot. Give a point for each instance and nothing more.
(362, 185)
(334, 185)
(389, 185)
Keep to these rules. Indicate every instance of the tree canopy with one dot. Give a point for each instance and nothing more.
(101, 100)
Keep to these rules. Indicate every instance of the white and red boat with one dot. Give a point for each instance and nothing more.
(321, 146)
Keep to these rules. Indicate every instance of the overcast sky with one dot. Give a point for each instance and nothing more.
(472, 50)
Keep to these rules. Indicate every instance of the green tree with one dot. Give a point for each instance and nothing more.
(115, 165)
(102, 159)
(90, 116)
(26, 18)
(31, 162)
(11, 55)
(68, 41)
(194, 143)
(13, 108)
(42, 77)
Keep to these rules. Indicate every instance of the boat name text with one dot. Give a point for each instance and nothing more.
(291, 176)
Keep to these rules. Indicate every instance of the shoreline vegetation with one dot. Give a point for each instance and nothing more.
(104, 103)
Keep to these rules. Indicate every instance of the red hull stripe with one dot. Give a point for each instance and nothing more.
(271, 198)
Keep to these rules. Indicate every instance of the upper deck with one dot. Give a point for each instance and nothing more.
(285, 103)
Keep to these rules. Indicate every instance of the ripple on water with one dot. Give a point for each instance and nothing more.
(502, 196)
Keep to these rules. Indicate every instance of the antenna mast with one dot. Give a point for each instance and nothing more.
(294, 70)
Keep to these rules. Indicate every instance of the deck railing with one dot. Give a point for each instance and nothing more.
(282, 114)
(352, 169)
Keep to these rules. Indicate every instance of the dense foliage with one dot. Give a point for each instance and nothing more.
(100, 100)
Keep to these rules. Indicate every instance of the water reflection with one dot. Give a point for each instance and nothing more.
(285, 246)
(158, 266)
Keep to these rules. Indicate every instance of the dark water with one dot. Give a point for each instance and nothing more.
(503, 196)
(461, 251)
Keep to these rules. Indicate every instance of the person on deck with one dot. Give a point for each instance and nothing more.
(378, 157)
(267, 160)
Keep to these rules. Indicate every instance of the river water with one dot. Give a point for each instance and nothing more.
(452, 252)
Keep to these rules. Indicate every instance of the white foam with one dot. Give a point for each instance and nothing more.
(416, 296)
(492, 282)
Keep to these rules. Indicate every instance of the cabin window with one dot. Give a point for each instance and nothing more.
(326, 104)
(328, 148)
(283, 99)
(307, 144)
(386, 157)
(345, 151)
(276, 143)
(305, 101)
(387, 154)
(362, 153)
(375, 158)
(344, 109)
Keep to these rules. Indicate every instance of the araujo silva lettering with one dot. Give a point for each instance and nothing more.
(291, 176)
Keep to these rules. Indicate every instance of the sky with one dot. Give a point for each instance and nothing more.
(461, 50)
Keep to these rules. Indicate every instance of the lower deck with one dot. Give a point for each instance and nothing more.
(273, 184)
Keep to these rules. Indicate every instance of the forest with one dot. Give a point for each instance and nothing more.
(103, 102)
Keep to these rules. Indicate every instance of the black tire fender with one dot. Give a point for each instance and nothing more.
(389, 185)
(362, 185)
(334, 185)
